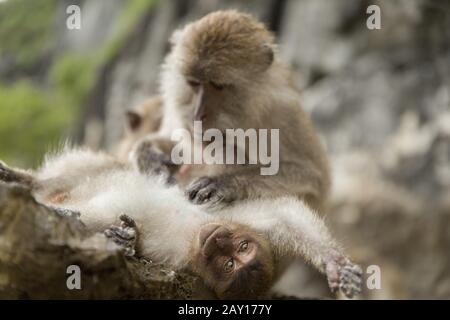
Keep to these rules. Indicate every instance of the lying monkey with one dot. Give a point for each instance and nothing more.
(239, 253)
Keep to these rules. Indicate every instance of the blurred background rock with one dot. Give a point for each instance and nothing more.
(379, 98)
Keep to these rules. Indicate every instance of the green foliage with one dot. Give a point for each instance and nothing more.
(73, 77)
(74, 74)
(132, 11)
(30, 121)
(26, 29)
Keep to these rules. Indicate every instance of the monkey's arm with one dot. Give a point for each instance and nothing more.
(246, 182)
(152, 155)
(296, 231)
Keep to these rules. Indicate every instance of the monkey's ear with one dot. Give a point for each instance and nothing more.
(267, 56)
(134, 119)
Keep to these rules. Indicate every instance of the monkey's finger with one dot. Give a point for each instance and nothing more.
(126, 245)
(129, 251)
(191, 192)
(121, 242)
(127, 234)
(194, 188)
(351, 291)
(197, 185)
(357, 270)
(351, 281)
(332, 276)
(217, 201)
(350, 275)
(350, 288)
(123, 233)
(350, 267)
(204, 194)
(333, 285)
(67, 213)
(127, 220)
(350, 284)
(108, 233)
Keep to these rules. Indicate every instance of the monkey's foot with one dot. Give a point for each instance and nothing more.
(210, 190)
(124, 235)
(343, 275)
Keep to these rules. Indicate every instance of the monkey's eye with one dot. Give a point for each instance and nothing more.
(217, 86)
(193, 83)
(243, 246)
(228, 266)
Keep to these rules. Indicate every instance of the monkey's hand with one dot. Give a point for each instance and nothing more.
(343, 275)
(124, 235)
(150, 159)
(212, 190)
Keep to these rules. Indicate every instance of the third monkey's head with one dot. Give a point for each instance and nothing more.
(141, 120)
(233, 260)
(220, 58)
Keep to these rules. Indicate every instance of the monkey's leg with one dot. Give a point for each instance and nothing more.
(124, 235)
(11, 175)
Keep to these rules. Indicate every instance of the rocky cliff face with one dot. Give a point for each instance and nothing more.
(379, 98)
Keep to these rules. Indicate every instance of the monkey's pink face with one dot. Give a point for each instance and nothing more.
(233, 262)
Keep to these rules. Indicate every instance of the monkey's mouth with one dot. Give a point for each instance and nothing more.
(207, 232)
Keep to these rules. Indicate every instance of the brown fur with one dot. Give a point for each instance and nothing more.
(149, 115)
(226, 46)
(233, 57)
(259, 273)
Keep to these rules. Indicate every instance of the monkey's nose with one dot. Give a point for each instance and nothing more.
(220, 243)
(223, 243)
(206, 232)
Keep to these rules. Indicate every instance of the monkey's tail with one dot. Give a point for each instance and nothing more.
(10, 175)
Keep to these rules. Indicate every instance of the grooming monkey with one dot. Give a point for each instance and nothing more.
(224, 70)
(239, 253)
